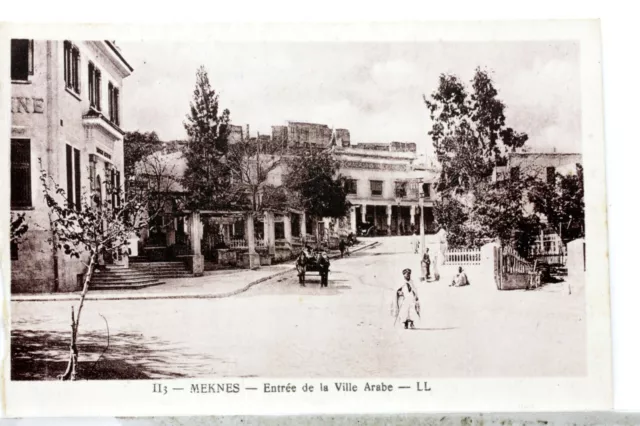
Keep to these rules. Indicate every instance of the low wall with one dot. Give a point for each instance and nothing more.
(515, 281)
(156, 253)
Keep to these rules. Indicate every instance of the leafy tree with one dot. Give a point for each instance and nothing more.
(157, 185)
(98, 227)
(137, 146)
(561, 202)
(469, 132)
(312, 177)
(250, 162)
(207, 176)
(471, 138)
(450, 214)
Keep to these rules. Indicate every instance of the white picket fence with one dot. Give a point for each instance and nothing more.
(462, 257)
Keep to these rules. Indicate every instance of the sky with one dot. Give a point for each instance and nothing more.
(373, 89)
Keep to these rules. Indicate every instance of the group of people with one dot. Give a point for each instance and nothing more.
(406, 305)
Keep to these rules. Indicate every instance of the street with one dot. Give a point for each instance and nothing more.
(280, 329)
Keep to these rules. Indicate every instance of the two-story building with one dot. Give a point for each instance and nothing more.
(544, 166)
(66, 101)
(384, 184)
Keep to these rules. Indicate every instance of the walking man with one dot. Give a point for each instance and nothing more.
(407, 305)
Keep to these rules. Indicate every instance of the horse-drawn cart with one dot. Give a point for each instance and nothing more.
(313, 262)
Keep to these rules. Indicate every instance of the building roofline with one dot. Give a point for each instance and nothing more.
(307, 122)
(543, 153)
(117, 52)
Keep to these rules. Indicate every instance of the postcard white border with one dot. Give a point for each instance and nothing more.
(134, 398)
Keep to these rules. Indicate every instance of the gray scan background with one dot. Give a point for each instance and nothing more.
(549, 419)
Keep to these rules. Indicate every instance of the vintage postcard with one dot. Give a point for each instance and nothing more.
(291, 219)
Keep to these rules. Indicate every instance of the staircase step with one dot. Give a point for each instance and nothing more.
(178, 275)
(149, 268)
(121, 272)
(124, 282)
(156, 264)
(125, 286)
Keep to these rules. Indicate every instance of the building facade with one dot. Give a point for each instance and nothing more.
(384, 184)
(539, 165)
(66, 99)
(548, 247)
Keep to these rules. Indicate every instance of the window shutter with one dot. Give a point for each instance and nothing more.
(20, 59)
(69, 177)
(116, 106)
(118, 188)
(31, 66)
(113, 190)
(98, 89)
(110, 89)
(78, 173)
(21, 173)
(92, 100)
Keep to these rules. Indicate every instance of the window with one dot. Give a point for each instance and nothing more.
(515, 173)
(76, 176)
(20, 173)
(71, 67)
(551, 175)
(94, 86)
(99, 190)
(401, 190)
(426, 190)
(118, 188)
(114, 100)
(73, 178)
(351, 186)
(13, 248)
(115, 189)
(376, 187)
(21, 59)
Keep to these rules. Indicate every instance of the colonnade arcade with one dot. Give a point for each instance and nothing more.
(391, 219)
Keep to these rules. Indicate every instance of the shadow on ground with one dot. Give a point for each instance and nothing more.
(43, 355)
(289, 285)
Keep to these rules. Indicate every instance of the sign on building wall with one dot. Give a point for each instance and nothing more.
(27, 105)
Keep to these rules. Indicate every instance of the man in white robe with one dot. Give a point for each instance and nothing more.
(408, 306)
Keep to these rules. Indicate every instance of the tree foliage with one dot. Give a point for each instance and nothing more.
(157, 185)
(312, 177)
(250, 162)
(138, 146)
(471, 138)
(562, 203)
(207, 176)
(19, 227)
(469, 132)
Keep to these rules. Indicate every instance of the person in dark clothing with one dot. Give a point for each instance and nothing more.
(342, 246)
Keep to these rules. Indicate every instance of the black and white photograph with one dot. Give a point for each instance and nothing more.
(288, 209)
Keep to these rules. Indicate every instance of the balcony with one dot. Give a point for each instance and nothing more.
(94, 119)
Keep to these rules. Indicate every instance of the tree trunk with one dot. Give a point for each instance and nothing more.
(72, 366)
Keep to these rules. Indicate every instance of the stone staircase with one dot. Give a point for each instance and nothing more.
(140, 273)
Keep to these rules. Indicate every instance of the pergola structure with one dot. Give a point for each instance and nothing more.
(255, 249)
